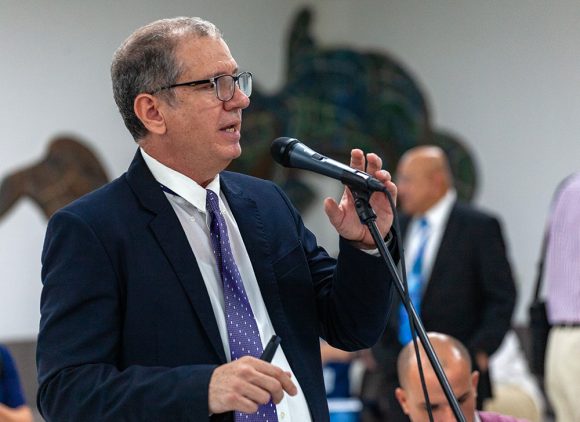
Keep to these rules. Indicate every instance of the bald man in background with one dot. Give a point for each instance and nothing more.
(467, 289)
(456, 364)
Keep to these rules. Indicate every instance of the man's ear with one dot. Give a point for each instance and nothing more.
(475, 380)
(401, 396)
(146, 107)
(439, 180)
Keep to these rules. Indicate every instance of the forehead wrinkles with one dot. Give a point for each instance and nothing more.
(203, 57)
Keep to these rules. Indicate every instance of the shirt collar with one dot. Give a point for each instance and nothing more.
(182, 185)
(438, 213)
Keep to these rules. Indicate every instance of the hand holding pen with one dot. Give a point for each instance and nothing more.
(240, 385)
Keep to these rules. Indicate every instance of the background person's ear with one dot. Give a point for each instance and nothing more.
(401, 396)
(475, 379)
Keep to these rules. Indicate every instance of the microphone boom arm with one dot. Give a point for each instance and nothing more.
(368, 217)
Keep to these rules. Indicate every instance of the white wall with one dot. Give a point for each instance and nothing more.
(504, 76)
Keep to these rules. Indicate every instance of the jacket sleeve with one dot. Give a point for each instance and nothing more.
(352, 293)
(79, 343)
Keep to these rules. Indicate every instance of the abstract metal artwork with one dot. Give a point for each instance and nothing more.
(336, 99)
(68, 170)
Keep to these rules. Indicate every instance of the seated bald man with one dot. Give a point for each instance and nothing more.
(456, 363)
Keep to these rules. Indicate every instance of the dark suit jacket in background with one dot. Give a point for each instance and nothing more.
(127, 330)
(470, 294)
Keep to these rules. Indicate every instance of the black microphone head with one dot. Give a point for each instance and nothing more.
(280, 149)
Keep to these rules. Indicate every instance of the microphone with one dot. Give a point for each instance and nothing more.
(292, 153)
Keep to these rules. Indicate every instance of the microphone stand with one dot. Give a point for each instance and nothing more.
(367, 216)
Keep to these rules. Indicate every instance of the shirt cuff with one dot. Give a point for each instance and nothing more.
(375, 252)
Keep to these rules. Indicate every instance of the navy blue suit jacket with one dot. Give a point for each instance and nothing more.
(127, 331)
(471, 292)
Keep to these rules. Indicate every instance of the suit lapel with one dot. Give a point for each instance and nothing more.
(257, 239)
(174, 244)
(250, 223)
(448, 243)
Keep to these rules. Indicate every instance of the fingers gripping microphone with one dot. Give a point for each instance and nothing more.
(292, 153)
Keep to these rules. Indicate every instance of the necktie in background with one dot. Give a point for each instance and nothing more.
(414, 283)
(243, 335)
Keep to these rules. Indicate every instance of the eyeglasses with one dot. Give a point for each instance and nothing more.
(225, 85)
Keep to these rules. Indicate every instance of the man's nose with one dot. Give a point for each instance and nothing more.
(239, 100)
(446, 415)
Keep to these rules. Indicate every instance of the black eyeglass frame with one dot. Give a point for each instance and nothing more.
(213, 81)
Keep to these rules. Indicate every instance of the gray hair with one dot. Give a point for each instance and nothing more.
(146, 61)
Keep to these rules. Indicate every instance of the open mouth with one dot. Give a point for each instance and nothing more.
(230, 129)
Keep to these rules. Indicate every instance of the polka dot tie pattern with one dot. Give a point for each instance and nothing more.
(243, 335)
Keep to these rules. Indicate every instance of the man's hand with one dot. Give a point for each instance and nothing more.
(246, 383)
(344, 217)
(18, 414)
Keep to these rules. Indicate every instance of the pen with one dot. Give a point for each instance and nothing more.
(270, 349)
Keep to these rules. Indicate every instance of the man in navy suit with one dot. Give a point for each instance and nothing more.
(133, 321)
(467, 287)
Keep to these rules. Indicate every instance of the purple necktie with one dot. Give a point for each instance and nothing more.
(243, 335)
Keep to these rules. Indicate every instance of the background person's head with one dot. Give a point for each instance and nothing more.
(423, 178)
(456, 363)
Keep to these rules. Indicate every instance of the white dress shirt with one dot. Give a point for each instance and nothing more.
(437, 217)
(190, 207)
